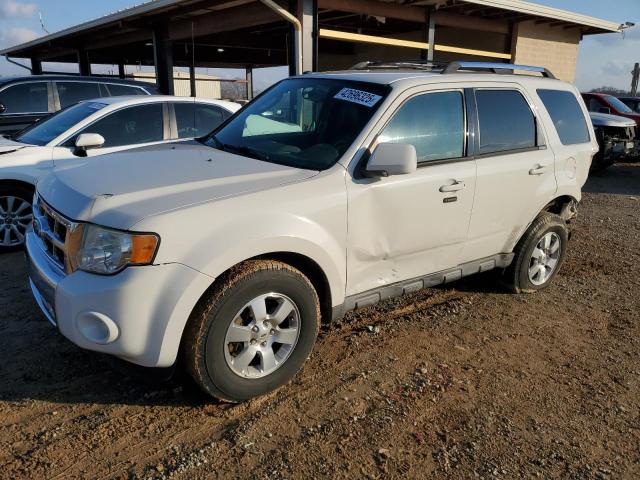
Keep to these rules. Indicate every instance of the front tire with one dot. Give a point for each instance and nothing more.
(15, 216)
(538, 255)
(254, 332)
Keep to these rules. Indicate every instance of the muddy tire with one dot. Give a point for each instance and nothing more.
(15, 216)
(538, 255)
(253, 332)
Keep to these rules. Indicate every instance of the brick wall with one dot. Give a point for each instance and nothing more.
(542, 45)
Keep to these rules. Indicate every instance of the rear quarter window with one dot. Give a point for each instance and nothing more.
(567, 116)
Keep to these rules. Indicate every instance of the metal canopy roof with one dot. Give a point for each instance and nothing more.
(251, 27)
(523, 11)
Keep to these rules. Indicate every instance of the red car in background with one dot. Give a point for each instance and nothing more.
(603, 103)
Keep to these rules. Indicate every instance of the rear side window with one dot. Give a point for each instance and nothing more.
(506, 121)
(29, 97)
(197, 120)
(433, 123)
(73, 92)
(123, 90)
(567, 116)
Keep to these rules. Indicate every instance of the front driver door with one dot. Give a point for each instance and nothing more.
(406, 226)
(122, 129)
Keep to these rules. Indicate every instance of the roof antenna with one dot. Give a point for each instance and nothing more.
(42, 24)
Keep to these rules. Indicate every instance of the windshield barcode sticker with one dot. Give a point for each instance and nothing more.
(358, 96)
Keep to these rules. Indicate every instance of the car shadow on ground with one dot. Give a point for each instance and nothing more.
(619, 179)
(38, 363)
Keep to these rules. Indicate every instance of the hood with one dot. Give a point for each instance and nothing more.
(607, 120)
(7, 145)
(121, 189)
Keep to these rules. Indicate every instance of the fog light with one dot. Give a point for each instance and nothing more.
(97, 328)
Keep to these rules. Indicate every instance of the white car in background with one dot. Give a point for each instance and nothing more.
(90, 128)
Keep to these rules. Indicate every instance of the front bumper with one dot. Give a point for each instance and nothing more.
(138, 315)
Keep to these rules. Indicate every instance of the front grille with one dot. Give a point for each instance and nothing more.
(55, 232)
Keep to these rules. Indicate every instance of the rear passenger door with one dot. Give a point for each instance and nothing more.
(515, 170)
(406, 226)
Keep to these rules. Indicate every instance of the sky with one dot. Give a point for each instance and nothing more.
(604, 60)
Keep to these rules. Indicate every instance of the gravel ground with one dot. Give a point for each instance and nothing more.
(461, 381)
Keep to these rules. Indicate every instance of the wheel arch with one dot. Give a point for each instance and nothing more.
(307, 265)
(564, 206)
(19, 183)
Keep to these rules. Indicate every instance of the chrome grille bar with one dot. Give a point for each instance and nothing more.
(54, 231)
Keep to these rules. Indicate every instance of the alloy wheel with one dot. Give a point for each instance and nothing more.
(545, 258)
(262, 335)
(15, 216)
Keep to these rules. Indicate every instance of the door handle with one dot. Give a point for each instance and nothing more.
(456, 186)
(538, 170)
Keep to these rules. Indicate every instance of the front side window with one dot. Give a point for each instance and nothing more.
(129, 126)
(197, 120)
(74, 92)
(433, 123)
(506, 121)
(302, 122)
(45, 131)
(567, 116)
(32, 97)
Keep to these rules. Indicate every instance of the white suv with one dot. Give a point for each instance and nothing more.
(326, 193)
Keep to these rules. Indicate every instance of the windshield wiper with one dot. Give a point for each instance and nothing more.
(246, 151)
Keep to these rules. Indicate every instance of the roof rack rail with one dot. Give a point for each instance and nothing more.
(455, 67)
(412, 64)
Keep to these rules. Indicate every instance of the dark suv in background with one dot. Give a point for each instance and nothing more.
(25, 100)
(632, 102)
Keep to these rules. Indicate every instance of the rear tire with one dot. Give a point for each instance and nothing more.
(253, 332)
(538, 255)
(15, 216)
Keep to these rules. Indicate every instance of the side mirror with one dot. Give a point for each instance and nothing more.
(3, 108)
(392, 159)
(87, 141)
(604, 110)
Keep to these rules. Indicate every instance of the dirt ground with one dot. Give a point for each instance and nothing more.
(461, 381)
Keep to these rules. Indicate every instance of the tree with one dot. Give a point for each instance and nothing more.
(616, 92)
(233, 90)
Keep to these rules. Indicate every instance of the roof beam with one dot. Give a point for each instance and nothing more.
(376, 9)
(223, 21)
(413, 14)
(472, 23)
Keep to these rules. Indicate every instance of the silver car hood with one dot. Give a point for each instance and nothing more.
(119, 190)
(607, 120)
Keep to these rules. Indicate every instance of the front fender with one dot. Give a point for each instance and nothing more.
(308, 218)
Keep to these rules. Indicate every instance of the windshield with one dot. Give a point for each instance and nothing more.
(617, 104)
(301, 122)
(43, 132)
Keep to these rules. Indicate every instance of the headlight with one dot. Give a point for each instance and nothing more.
(106, 251)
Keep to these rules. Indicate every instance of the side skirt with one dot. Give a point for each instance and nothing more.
(371, 297)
